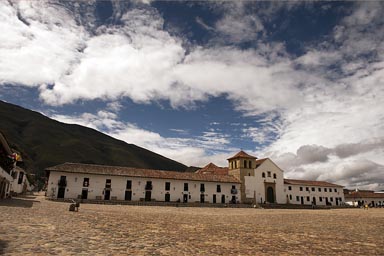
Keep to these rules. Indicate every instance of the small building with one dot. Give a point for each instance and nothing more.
(359, 198)
(309, 192)
(5, 183)
(98, 182)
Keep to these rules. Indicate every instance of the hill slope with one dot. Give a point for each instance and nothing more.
(44, 142)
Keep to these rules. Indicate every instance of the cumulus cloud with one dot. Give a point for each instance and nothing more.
(196, 151)
(329, 100)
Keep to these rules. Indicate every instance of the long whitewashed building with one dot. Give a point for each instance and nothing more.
(99, 182)
(246, 180)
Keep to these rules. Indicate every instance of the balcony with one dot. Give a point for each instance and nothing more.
(62, 183)
(148, 187)
(234, 191)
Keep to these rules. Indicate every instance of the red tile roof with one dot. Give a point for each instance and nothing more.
(213, 169)
(242, 154)
(310, 183)
(143, 173)
(260, 161)
(363, 194)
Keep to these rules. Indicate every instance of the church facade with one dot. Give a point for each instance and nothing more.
(245, 180)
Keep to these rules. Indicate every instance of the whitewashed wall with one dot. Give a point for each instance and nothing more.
(255, 185)
(118, 187)
(336, 192)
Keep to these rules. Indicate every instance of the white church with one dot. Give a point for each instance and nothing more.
(245, 180)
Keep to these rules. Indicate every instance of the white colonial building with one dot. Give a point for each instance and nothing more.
(313, 192)
(99, 182)
(360, 198)
(246, 180)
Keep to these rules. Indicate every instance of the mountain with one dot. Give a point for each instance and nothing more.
(44, 142)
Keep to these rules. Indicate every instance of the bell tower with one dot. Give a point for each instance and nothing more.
(241, 165)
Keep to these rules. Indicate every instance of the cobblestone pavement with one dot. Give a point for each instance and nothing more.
(34, 226)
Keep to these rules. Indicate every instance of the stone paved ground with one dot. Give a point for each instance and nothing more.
(34, 226)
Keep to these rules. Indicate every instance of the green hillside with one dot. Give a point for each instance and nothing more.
(44, 142)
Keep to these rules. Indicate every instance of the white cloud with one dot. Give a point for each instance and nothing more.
(329, 97)
(39, 46)
(196, 151)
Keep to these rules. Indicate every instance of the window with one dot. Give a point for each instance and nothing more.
(320, 199)
(301, 188)
(335, 190)
(167, 186)
(235, 164)
(263, 175)
(330, 190)
(297, 198)
(269, 174)
(319, 189)
(86, 182)
(108, 183)
(313, 189)
(185, 186)
(202, 187)
(289, 188)
(325, 189)
(245, 163)
(274, 175)
(250, 164)
(218, 188)
(290, 197)
(331, 198)
(21, 176)
(308, 199)
(148, 186)
(306, 188)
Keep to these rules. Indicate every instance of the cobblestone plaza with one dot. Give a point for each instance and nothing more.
(35, 226)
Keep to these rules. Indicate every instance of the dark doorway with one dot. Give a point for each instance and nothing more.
(314, 200)
(128, 195)
(107, 194)
(223, 199)
(214, 199)
(337, 201)
(84, 194)
(61, 192)
(185, 198)
(326, 201)
(302, 200)
(167, 197)
(270, 195)
(233, 200)
(148, 195)
(202, 198)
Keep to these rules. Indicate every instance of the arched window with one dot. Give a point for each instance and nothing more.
(263, 175)
(274, 175)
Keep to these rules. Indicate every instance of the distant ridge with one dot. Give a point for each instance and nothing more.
(44, 142)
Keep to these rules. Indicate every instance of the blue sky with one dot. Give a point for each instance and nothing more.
(299, 82)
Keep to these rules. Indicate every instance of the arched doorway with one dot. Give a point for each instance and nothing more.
(270, 195)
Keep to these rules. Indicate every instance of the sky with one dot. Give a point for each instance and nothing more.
(299, 82)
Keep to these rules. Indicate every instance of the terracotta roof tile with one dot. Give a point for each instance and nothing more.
(363, 194)
(136, 172)
(310, 183)
(260, 161)
(242, 154)
(213, 169)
